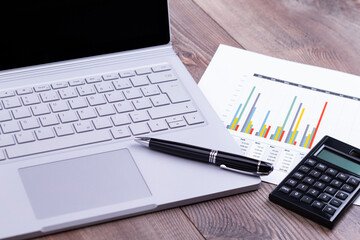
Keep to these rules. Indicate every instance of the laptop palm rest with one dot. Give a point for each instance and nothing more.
(83, 183)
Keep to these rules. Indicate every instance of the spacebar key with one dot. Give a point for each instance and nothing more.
(57, 143)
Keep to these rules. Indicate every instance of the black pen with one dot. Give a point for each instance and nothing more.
(225, 160)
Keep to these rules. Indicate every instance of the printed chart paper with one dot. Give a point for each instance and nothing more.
(277, 110)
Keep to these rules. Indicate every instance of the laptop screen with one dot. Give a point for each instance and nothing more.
(42, 31)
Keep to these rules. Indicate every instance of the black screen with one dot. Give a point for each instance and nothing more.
(43, 31)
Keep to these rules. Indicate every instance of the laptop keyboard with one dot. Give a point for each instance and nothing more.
(108, 107)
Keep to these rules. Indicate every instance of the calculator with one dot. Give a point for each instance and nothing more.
(324, 184)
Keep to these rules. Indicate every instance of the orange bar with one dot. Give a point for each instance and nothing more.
(317, 127)
(267, 132)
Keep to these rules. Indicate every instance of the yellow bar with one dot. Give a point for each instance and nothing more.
(248, 127)
(297, 125)
(262, 131)
(277, 134)
(232, 127)
(307, 140)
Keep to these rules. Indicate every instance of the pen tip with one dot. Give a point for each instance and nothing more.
(143, 140)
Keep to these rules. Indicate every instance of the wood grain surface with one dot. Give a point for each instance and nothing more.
(324, 33)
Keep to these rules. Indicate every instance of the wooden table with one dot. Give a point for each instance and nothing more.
(325, 33)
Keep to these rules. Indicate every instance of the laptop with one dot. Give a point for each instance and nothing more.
(79, 81)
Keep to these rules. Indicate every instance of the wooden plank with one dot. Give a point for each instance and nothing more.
(252, 216)
(195, 36)
(169, 224)
(321, 33)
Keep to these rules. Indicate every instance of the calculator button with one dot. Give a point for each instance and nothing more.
(302, 187)
(313, 192)
(304, 169)
(335, 202)
(342, 176)
(310, 162)
(330, 190)
(341, 195)
(298, 175)
(285, 189)
(309, 180)
(295, 194)
(347, 188)
(319, 185)
(325, 178)
(352, 181)
(306, 199)
(317, 204)
(336, 183)
(291, 182)
(330, 210)
(315, 173)
(331, 172)
(324, 197)
(320, 167)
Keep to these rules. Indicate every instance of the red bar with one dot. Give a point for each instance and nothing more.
(267, 132)
(317, 127)
(295, 143)
(282, 134)
(237, 126)
(251, 131)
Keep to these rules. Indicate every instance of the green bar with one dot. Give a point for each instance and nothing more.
(247, 101)
(292, 105)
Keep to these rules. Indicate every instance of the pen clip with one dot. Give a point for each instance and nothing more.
(245, 172)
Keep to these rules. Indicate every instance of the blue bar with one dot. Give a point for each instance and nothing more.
(273, 136)
(237, 111)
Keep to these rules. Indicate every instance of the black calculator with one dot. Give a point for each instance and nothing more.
(324, 184)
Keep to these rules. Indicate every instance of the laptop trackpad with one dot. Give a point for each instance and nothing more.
(82, 183)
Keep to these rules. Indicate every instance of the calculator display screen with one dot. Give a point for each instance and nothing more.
(339, 160)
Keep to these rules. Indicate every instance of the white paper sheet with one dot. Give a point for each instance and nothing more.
(277, 110)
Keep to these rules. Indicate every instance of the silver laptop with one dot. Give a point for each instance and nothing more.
(79, 81)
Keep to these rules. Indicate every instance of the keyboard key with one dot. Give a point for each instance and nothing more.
(132, 93)
(86, 113)
(298, 175)
(5, 116)
(22, 91)
(139, 116)
(120, 132)
(160, 100)
(330, 210)
(8, 93)
(158, 125)
(104, 87)
(122, 84)
(116, 96)
(171, 110)
(93, 79)
(139, 129)
(139, 81)
(19, 113)
(67, 93)
(83, 126)
(175, 92)
(150, 90)
(42, 88)
(161, 68)
(310, 162)
(342, 176)
(330, 190)
(336, 183)
(11, 102)
(2, 155)
(308, 180)
(63, 130)
(304, 169)
(96, 100)
(143, 71)
(295, 194)
(44, 133)
(331, 172)
(319, 185)
(49, 96)
(10, 127)
(48, 120)
(58, 106)
(142, 103)
(317, 204)
(59, 85)
(40, 110)
(6, 140)
(54, 143)
(315, 173)
(122, 107)
(30, 99)
(285, 189)
(291, 182)
(76, 82)
(324, 197)
(335, 202)
(105, 110)
(306, 199)
(321, 167)
(24, 137)
(193, 118)
(313, 192)
(77, 103)
(347, 188)
(341, 195)
(325, 178)
(302, 187)
(120, 119)
(101, 123)
(160, 77)
(353, 182)
(126, 74)
(86, 90)
(29, 123)
(110, 76)
(66, 117)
